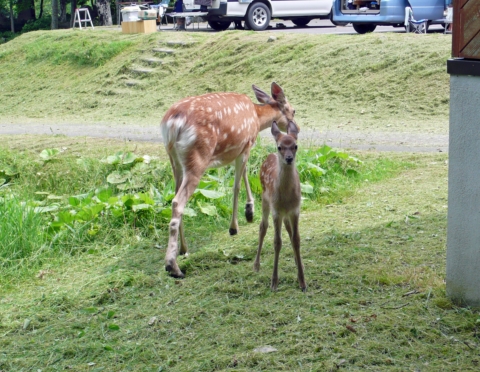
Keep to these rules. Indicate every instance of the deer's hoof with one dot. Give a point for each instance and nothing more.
(174, 273)
(233, 231)
(249, 212)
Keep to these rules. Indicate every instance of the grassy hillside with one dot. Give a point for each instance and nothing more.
(377, 81)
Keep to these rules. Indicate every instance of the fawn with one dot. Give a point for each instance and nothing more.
(282, 195)
(213, 130)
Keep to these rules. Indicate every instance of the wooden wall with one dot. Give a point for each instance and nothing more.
(466, 29)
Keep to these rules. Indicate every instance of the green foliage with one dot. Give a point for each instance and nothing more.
(22, 232)
(6, 37)
(95, 197)
(44, 23)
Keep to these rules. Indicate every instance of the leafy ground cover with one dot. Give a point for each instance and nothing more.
(376, 82)
(374, 259)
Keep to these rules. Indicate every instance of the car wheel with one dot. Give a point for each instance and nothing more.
(363, 28)
(330, 17)
(219, 25)
(258, 17)
(301, 22)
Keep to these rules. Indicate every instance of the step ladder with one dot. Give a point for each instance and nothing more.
(79, 20)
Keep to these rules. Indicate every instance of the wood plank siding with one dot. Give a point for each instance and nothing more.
(466, 29)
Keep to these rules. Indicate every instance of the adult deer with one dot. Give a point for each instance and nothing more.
(281, 195)
(213, 130)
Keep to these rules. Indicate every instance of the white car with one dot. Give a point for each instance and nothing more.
(257, 13)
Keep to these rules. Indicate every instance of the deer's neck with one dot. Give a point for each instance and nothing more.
(287, 174)
(287, 186)
(266, 114)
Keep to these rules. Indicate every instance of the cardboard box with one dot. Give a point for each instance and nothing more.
(139, 27)
(147, 14)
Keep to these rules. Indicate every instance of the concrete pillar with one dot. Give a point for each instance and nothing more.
(463, 232)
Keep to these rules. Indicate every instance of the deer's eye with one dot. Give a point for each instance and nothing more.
(296, 147)
(279, 148)
(293, 112)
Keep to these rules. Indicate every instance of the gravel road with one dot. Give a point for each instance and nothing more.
(379, 141)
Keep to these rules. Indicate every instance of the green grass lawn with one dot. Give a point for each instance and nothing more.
(374, 260)
(82, 282)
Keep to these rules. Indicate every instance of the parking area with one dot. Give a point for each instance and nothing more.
(316, 26)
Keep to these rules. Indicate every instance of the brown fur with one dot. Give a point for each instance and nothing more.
(281, 195)
(214, 130)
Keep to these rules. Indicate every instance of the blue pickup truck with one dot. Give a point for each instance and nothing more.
(366, 15)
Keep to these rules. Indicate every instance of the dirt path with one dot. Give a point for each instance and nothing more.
(379, 141)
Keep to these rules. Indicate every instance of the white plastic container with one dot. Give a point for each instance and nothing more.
(130, 13)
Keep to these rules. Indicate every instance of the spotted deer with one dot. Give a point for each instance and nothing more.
(281, 195)
(213, 130)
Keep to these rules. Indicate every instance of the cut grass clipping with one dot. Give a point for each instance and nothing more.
(98, 297)
(380, 81)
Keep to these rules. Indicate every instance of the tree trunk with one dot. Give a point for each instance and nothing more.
(12, 24)
(41, 9)
(73, 6)
(104, 12)
(54, 14)
(63, 11)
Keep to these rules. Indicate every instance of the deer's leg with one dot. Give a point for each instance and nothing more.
(249, 209)
(262, 231)
(240, 164)
(178, 175)
(183, 242)
(277, 243)
(288, 227)
(186, 189)
(295, 239)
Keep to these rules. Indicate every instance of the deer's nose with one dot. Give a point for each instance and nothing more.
(289, 159)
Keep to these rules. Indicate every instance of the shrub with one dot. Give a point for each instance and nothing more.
(7, 36)
(43, 23)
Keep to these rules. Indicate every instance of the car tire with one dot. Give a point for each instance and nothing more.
(330, 17)
(258, 17)
(363, 28)
(219, 25)
(301, 22)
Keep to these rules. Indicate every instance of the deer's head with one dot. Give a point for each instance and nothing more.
(278, 101)
(286, 144)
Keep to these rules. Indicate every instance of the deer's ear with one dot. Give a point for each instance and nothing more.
(277, 93)
(292, 129)
(275, 131)
(261, 95)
